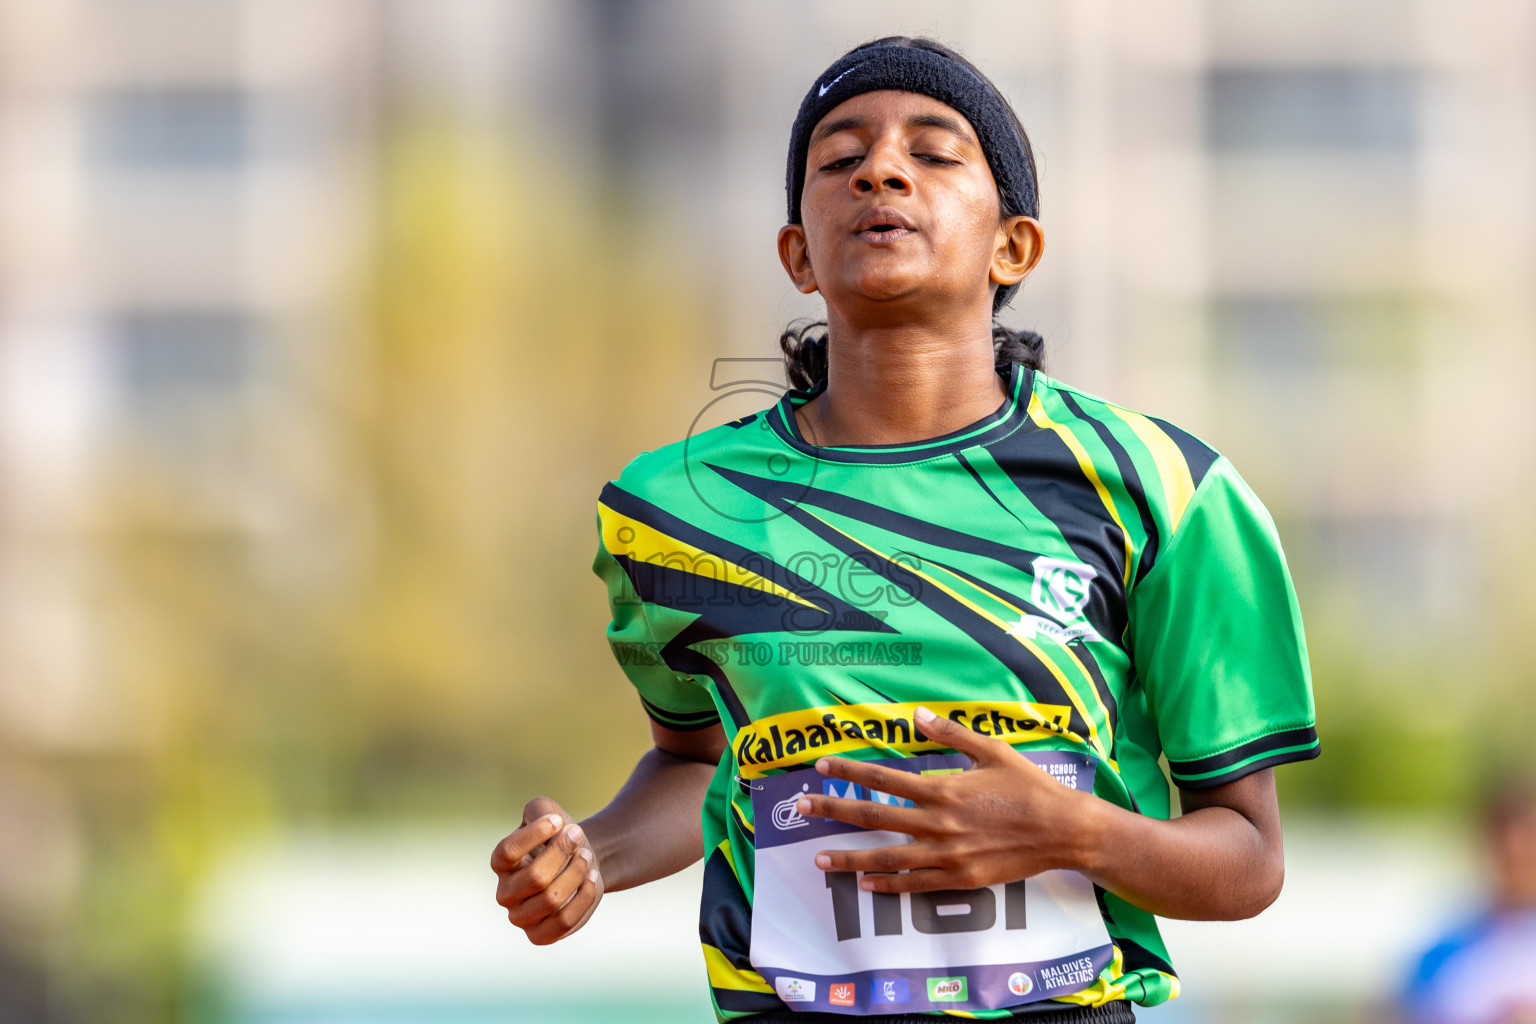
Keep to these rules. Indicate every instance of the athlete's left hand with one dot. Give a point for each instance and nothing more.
(1001, 820)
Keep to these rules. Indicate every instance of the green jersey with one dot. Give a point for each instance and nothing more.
(1090, 584)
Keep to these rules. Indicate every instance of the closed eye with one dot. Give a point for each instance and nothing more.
(837, 165)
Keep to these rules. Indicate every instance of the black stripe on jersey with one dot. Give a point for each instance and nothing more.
(1046, 472)
(1009, 417)
(883, 696)
(650, 583)
(787, 496)
(1129, 477)
(737, 1000)
(643, 511)
(1100, 684)
(1198, 455)
(1304, 738)
(1272, 761)
(1227, 758)
(729, 610)
(681, 721)
(960, 458)
(680, 656)
(1138, 957)
(1107, 616)
(1036, 677)
(747, 1001)
(725, 922)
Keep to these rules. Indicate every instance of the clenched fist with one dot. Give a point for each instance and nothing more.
(547, 875)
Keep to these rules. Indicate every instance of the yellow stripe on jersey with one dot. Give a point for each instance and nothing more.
(1109, 741)
(623, 535)
(1172, 467)
(1008, 628)
(724, 974)
(1085, 462)
(742, 818)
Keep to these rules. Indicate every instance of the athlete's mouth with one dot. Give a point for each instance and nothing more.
(883, 225)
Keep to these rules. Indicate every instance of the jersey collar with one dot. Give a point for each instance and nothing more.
(1019, 383)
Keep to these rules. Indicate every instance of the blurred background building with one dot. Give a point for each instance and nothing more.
(323, 323)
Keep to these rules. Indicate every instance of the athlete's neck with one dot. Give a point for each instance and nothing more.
(902, 384)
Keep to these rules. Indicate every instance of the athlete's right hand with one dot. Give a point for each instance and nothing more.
(547, 876)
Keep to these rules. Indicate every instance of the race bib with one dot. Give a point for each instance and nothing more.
(824, 944)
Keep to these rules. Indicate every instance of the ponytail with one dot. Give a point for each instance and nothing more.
(1021, 346)
(804, 344)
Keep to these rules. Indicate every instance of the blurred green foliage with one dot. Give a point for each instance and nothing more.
(524, 340)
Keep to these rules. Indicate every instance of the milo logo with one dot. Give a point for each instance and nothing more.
(946, 990)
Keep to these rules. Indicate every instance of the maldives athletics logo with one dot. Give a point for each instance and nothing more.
(1020, 984)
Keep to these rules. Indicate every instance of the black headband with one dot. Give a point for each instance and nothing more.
(911, 69)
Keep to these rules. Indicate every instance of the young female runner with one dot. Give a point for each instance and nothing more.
(917, 636)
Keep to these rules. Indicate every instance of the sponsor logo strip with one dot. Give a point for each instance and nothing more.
(981, 987)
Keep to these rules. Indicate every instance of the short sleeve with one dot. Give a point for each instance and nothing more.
(671, 698)
(1216, 638)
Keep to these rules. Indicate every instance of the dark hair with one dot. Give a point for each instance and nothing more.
(804, 342)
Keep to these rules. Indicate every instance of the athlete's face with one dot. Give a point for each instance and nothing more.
(899, 206)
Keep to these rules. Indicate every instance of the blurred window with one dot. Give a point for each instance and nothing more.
(1301, 334)
(181, 126)
(1371, 109)
(182, 354)
(183, 381)
(1387, 558)
(1397, 573)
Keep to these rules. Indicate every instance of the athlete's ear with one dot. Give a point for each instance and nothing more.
(1020, 243)
(796, 257)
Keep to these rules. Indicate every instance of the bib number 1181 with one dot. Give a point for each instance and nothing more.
(941, 912)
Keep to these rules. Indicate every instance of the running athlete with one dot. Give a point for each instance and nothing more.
(916, 641)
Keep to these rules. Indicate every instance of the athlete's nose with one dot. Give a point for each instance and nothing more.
(884, 167)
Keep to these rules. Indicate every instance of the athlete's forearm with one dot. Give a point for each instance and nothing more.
(1216, 863)
(651, 827)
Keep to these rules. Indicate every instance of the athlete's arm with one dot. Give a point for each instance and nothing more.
(1005, 819)
(651, 828)
(552, 872)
